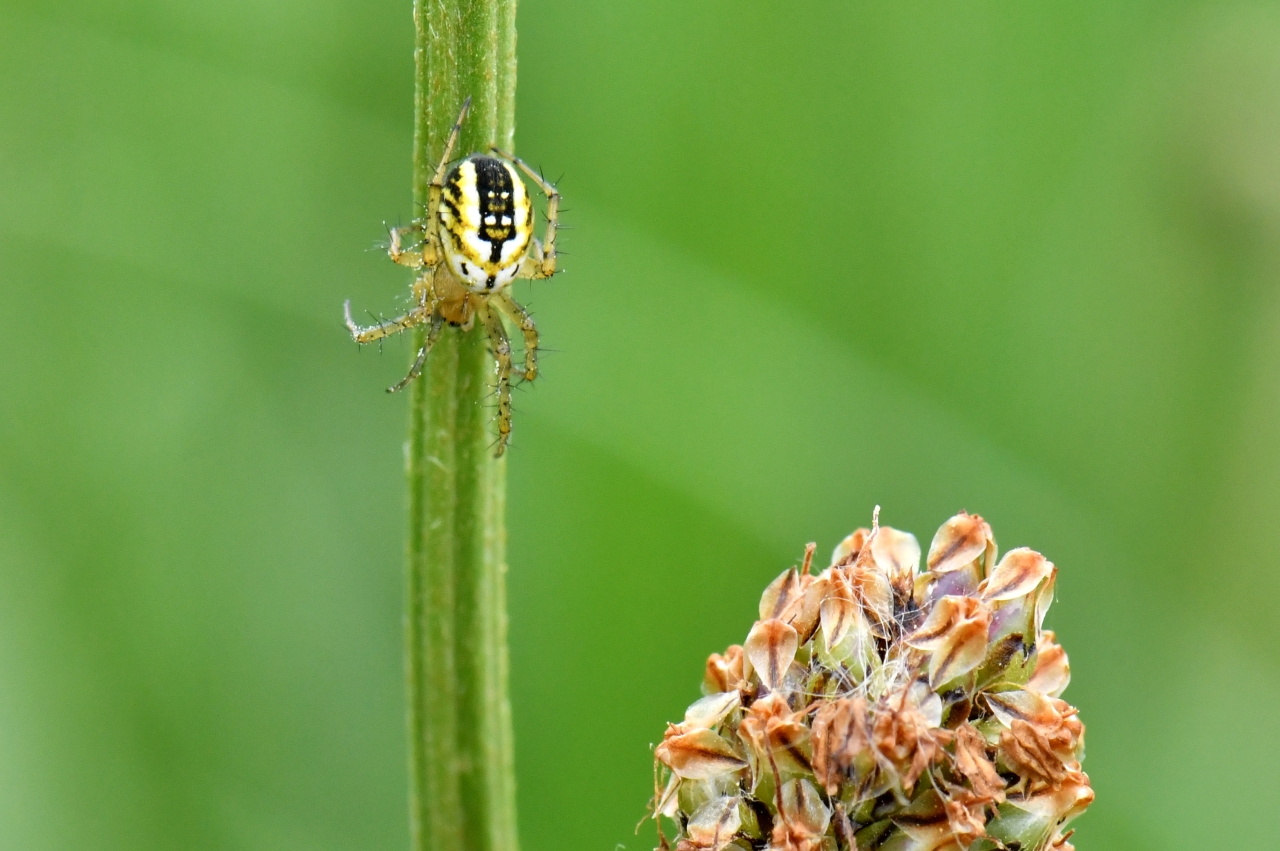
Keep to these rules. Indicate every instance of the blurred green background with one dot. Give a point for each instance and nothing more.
(1020, 259)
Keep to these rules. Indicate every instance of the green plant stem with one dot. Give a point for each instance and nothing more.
(461, 754)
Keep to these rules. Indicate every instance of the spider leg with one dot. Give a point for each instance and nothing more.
(502, 354)
(428, 303)
(514, 311)
(369, 333)
(430, 243)
(408, 256)
(433, 334)
(450, 142)
(545, 265)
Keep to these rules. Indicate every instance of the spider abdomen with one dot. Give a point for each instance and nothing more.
(485, 222)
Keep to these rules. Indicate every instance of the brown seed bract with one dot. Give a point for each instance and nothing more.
(956, 635)
(771, 648)
(839, 735)
(904, 740)
(962, 540)
(724, 673)
(1043, 740)
(802, 818)
(713, 826)
(698, 755)
(972, 763)
(1052, 672)
(777, 737)
(1017, 574)
(966, 816)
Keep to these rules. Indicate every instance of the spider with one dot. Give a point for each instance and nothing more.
(474, 238)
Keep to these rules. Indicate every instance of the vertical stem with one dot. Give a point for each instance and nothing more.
(461, 755)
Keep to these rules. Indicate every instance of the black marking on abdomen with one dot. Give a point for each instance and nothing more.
(494, 191)
(447, 201)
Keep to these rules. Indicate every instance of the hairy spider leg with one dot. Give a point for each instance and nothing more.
(369, 333)
(428, 303)
(541, 261)
(408, 257)
(514, 311)
(433, 334)
(430, 253)
(438, 179)
(502, 355)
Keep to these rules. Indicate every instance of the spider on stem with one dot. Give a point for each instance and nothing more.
(474, 238)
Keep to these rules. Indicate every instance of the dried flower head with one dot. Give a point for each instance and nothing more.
(878, 705)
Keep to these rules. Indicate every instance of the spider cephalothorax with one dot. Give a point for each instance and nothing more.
(474, 239)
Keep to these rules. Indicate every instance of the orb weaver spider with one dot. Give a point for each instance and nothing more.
(474, 238)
